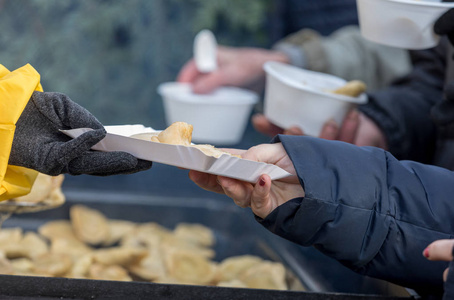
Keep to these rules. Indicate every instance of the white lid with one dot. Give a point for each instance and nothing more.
(223, 95)
(432, 3)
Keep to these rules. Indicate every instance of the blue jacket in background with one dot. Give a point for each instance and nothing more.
(323, 16)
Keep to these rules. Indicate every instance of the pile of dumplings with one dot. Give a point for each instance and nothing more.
(45, 194)
(91, 246)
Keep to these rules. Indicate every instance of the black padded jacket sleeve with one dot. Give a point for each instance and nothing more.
(449, 284)
(402, 111)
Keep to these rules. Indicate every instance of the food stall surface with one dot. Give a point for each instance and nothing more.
(62, 288)
(310, 275)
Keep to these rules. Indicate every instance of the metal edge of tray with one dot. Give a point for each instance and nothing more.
(19, 287)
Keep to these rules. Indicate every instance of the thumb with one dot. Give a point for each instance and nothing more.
(261, 203)
(189, 72)
(264, 126)
(78, 146)
(349, 127)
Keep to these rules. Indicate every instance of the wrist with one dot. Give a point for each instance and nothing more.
(291, 54)
(370, 134)
(279, 56)
(258, 57)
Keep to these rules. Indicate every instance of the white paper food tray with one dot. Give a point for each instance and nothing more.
(118, 139)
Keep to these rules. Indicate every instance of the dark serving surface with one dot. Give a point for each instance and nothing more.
(18, 287)
(236, 233)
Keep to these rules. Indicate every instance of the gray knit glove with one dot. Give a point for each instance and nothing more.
(38, 144)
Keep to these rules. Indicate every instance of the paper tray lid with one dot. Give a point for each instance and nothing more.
(118, 139)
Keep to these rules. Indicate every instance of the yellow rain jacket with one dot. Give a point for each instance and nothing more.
(16, 88)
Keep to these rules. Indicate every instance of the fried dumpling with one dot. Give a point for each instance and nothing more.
(10, 235)
(99, 271)
(22, 266)
(40, 190)
(57, 229)
(119, 256)
(151, 267)
(195, 233)
(266, 275)
(89, 225)
(190, 268)
(53, 264)
(232, 267)
(6, 268)
(72, 246)
(46, 190)
(117, 230)
(235, 283)
(178, 133)
(29, 245)
(352, 88)
(33, 245)
(81, 267)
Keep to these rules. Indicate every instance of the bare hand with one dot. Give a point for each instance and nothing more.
(440, 250)
(265, 195)
(264, 126)
(236, 67)
(356, 129)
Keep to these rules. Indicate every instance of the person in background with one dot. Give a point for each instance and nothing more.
(324, 36)
(345, 53)
(31, 142)
(361, 205)
(324, 16)
(330, 42)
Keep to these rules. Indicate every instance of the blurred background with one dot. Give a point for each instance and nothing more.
(110, 56)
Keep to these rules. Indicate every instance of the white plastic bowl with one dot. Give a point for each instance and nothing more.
(298, 97)
(218, 118)
(401, 23)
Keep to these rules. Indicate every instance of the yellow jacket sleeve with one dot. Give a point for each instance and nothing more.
(16, 88)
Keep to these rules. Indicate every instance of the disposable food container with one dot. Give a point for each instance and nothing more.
(298, 97)
(401, 23)
(219, 118)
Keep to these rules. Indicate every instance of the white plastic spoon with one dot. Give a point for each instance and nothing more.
(205, 51)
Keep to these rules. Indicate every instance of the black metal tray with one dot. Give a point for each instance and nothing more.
(236, 232)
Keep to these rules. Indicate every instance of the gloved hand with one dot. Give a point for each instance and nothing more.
(445, 25)
(38, 144)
